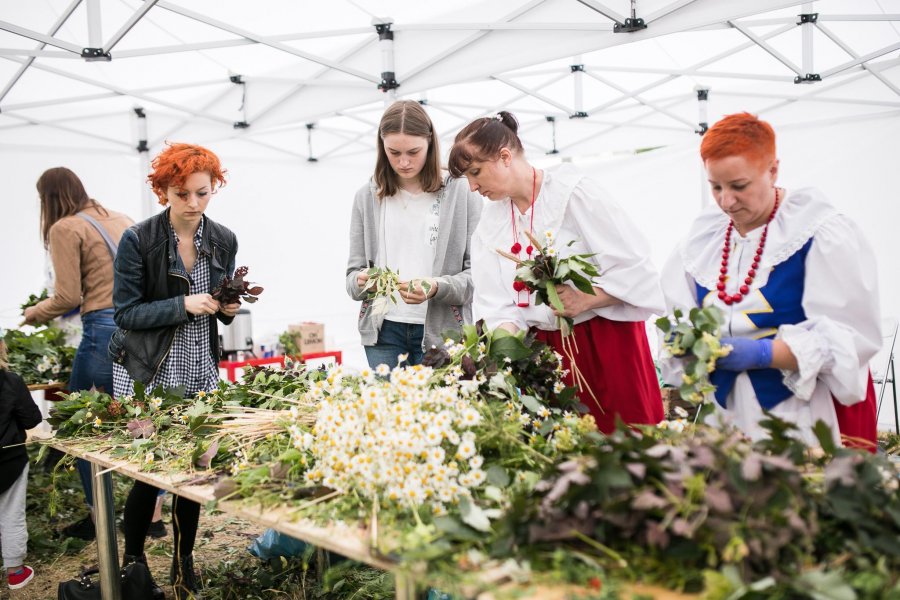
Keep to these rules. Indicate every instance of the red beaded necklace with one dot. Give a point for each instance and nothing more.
(725, 297)
(516, 248)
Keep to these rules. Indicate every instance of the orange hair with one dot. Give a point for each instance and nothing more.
(740, 134)
(177, 162)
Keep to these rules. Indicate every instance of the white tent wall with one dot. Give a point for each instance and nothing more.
(292, 217)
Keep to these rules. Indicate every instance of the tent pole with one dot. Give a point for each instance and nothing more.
(577, 68)
(806, 30)
(147, 208)
(389, 82)
(94, 22)
(703, 126)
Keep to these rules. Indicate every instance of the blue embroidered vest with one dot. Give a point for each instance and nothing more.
(784, 294)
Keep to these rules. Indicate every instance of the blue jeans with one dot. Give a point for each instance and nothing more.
(92, 368)
(394, 339)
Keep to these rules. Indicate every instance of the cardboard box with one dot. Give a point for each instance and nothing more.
(309, 336)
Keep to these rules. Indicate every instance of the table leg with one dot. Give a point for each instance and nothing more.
(405, 586)
(107, 549)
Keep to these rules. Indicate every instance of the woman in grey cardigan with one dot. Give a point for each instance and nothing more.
(417, 222)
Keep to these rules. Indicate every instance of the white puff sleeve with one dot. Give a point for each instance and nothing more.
(842, 330)
(626, 271)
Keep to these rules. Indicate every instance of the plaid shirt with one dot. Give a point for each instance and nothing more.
(189, 363)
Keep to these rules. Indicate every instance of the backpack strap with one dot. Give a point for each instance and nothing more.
(110, 245)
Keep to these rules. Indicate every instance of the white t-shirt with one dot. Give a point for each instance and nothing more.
(409, 232)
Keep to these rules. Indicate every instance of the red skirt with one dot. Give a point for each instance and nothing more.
(614, 358)
(857, 423)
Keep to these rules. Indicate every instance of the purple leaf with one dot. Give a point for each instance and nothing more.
(205, 459)
(141, 428)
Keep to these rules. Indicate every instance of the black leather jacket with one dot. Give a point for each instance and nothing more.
(149, 290)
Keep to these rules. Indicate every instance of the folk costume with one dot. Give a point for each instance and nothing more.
(613, 352)
(815, 288)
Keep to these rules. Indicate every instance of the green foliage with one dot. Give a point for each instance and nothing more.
(547, 269)
(696, 340)
(40, 357)
(381, 288)
(34, 299)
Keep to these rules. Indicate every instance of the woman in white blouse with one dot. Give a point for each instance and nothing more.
(613, 352)
(796, 281)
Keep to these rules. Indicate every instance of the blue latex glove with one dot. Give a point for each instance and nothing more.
(746, 354)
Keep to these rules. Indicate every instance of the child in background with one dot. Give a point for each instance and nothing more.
(18, 412)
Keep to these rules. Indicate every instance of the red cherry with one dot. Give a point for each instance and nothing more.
(529, 249)
(519, 285)
(516, 248)
(744, 290)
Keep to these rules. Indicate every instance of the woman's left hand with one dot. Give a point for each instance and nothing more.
(576, 302)
(413, 292)
(230, 310)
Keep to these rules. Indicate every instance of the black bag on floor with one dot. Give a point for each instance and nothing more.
(136, 584)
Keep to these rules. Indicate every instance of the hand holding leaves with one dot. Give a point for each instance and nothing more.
(231, 290)
(696, 339)
(381, 287)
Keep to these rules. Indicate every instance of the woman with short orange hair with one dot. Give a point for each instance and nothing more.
(797, 284)
(167, 335)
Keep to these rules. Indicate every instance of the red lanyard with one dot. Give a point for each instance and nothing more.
(516, 248)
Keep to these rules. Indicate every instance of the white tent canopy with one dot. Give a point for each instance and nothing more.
(271, 84)
(258, 74)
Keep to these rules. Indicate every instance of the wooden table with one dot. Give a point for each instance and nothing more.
(349, 541)
(352, 542)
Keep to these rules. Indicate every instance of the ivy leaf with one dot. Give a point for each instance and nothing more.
(531, 403)
(204, 460)
(141, 428)
(474, 516)
(497, 475)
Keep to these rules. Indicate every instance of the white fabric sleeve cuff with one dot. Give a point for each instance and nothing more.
(825, 352)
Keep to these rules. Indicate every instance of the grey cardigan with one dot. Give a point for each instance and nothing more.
(451, 305)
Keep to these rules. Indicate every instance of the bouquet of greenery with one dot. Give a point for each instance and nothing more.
(696, 340)
(547, 270)
(381, 288)
(41, 357)
(33, 300)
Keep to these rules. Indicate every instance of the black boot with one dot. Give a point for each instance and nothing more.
(155, 590)
(184, 580)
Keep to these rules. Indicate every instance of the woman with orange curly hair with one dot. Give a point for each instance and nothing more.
(796, 281)
(167, 332)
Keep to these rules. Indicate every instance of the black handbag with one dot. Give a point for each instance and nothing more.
(136, 582)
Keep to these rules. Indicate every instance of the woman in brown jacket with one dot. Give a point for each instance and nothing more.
(82, 238)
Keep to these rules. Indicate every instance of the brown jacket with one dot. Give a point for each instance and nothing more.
(81, 263)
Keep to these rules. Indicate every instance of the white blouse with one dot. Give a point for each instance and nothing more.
(841, 332)
(572, 207)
